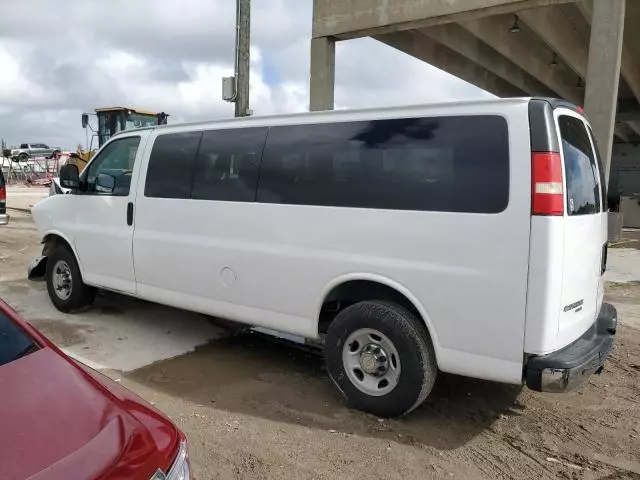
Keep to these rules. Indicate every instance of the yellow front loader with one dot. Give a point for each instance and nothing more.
(112, 120)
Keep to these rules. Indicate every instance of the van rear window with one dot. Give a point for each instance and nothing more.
(582, 177)
(604, 188)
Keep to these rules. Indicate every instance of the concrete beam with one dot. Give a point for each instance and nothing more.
(322, 78)
(518, 49)
(347, 19)
(634, 125)
(629, 115)
(463, 42)
(628, 112)
(621, 133)
(440, 56)
(630, 67)
(632, 35)
(553, 29)
(603, 74)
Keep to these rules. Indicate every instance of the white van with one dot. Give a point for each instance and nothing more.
(468, 238)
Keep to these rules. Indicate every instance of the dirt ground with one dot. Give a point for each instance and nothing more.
(254, 407)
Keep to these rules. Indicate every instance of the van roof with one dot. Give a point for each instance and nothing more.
(348, 112)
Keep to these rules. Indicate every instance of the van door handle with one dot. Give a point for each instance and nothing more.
(130, 213)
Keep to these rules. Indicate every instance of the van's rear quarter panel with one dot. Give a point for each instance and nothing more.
(468, 272)
(545, 284)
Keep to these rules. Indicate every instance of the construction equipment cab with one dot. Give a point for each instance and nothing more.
(113, 120)
(110, 121)
(468, 238)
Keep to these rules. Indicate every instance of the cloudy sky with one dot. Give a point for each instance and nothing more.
(61, 58)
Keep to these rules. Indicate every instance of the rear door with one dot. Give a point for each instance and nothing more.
(584, 236)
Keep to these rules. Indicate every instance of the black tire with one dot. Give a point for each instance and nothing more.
(23, 157)
(80, 295)
(411, 340)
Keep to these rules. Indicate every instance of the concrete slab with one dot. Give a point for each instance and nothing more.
(117, 333)
(21, 197)
(623, 265)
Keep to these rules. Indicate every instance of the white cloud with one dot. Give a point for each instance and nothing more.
(15, 86)
(371, 73)
(170, 56)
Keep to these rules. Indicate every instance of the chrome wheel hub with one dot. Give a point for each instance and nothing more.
(374, 360)
(62, 280)
(371, 361)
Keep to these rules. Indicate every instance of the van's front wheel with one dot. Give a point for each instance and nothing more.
(66, 289)
(380, 357)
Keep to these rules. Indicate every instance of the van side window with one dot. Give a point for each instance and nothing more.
(117, 159)
(583, 191)
(228, 164)
(170, 165)
(456, 164)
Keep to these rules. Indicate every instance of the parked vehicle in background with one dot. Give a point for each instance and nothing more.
(4, 217)
(30, 150)
(62, 420)
(468, 238)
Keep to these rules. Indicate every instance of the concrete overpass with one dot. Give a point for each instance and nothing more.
(577, 50)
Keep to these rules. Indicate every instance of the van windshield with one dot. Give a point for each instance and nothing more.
(583, 189)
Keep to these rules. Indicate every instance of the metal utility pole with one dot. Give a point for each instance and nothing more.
(243, 57)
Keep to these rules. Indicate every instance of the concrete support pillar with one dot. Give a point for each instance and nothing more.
(323, 68)
(603, 72)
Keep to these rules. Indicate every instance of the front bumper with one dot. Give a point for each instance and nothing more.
(567, 368)
(4, 218)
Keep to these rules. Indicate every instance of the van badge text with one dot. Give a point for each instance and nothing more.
(574, 305)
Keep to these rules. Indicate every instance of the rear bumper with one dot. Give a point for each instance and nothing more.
(4, 218)
(567, 368)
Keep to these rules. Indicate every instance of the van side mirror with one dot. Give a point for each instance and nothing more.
(105, 183)
(85, 120)
(70, 176)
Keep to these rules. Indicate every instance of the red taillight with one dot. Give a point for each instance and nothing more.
(580, 110)
(3, 193)
(546, 186)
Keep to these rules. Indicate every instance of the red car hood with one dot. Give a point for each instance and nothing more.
(58, 421)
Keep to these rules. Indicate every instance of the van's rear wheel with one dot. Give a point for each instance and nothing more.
(380, 357)
(66, 289)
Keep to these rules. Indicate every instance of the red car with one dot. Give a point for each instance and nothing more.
(61, 420)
